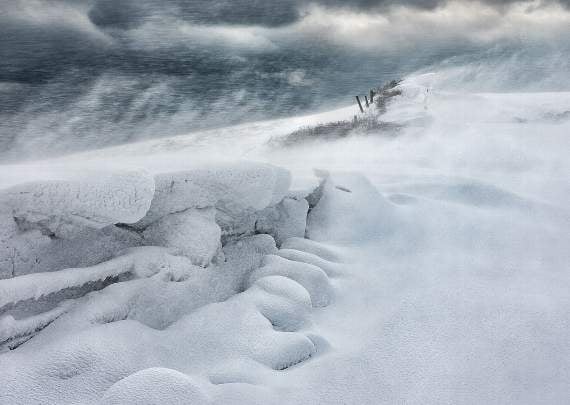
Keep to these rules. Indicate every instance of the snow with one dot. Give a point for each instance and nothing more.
(168, 386)
(286, 220)
(193, 232)
(314, 248)
(90, 198)
(428, 268)
(331, 268)
(12, 330)
(142, 262)
(237, 330)
(231, 188)
(312, 277)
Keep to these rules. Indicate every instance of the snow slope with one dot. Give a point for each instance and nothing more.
(427, 268)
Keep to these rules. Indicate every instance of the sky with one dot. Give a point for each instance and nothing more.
(79, 74)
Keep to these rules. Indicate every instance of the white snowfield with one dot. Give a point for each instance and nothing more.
(427, 268)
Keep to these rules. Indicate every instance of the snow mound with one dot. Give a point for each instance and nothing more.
(315, 248)
(288, 304)
(248, 328)
(331, 268)
(313, 278)
(347, 200)
(155, 386)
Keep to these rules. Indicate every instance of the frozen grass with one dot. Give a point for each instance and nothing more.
(369, 123)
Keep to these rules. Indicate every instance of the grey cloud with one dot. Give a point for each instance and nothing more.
(125, 14)
(129, 13)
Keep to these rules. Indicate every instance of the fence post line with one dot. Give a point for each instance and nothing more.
(359, 104)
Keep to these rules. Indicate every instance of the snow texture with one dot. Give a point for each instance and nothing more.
(231, 189)
(425, 269)
(193, 232)
(286, 220)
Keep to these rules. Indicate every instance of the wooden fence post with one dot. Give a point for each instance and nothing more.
(371, 96)
(359, 104)
(366, 99)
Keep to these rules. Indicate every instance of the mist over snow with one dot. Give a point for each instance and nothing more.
(194, 209)
(75, 75)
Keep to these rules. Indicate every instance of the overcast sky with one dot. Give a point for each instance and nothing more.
(40, 37)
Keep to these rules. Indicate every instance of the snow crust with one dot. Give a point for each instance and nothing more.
(194, 233)
(87, 198)
(231, 188)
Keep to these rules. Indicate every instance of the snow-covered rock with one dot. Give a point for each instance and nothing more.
(79, 199)
(140, 262)
(286, 220)
(26, 251)
(193, 232)
(239, 333)
(232, 189)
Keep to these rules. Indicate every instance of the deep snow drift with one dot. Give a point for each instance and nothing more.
(428, 268)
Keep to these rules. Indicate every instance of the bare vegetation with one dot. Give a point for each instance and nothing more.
(385, 94)
(363, 124)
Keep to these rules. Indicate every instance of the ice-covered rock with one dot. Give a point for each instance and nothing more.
(14, 332)
(140, 300)
(193, 232)
(173, 289)
(25, 251)
(67, 219)
(287, 219)
(78, 199)
(140, 262)
(232, 189)
(80, 367)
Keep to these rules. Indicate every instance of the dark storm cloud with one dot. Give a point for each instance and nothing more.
(44, 38)
(130, 13)
(40, 38)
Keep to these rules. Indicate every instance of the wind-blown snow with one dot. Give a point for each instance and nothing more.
(427, 268)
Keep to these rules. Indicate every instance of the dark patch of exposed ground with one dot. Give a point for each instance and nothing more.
(368, 123)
